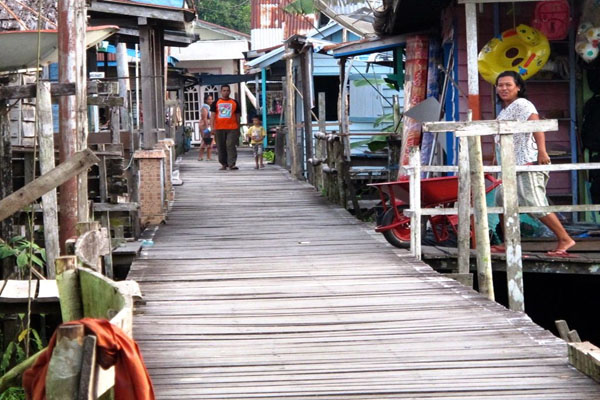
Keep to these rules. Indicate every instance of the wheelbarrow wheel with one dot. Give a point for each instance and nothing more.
(400, 235)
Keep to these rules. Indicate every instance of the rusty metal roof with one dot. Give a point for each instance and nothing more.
(269, 14)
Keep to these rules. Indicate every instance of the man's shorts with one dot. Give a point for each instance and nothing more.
(257, 149)
(531, 190)
(207, 140)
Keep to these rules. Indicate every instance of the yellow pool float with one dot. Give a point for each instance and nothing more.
(524, 50)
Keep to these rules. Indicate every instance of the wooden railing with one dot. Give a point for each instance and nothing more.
(510, 208)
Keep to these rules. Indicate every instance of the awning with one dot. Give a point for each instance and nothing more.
(355, 15)
(368, 46)
(210, 79)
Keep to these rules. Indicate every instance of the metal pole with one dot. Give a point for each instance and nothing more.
(484, 262)
(263, 103)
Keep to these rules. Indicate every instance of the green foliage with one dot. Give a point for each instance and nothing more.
(301, 7)
(23, 251)
(269, 155)
(14, 354)
(371, 82)
(13, 393)
(233, 14)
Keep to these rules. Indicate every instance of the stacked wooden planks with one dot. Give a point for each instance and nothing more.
(257, 288)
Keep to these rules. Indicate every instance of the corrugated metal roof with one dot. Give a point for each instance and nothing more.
(269, 15)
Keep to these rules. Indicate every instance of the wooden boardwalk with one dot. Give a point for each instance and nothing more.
(256, 288)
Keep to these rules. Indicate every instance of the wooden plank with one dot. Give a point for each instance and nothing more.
(64, 368)
(18, 291)
(105, 101)
(119, 207)
(88, 369)
(48, 291)
(491, 127)
(75, 165)
(29, 91)
(586, 358)
(319, 307)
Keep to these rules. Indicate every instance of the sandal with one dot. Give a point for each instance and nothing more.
(234, 168)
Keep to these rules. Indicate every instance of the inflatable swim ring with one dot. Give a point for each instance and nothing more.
(524, 50)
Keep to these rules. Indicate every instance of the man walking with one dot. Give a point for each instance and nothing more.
(226, 126)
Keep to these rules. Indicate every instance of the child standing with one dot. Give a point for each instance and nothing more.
(255, 135)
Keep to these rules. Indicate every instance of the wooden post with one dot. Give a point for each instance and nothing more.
(484, 261)
(47, 163)
(291, 118)
(123, 74)
(307, 107)
(321, 145)
(83, 207)
(67, 281)
(72, 111)
(512, 225)
(6, 184)
(394, 149)
(63, 376)
(147, 84)
(415, 201)
(464, 208)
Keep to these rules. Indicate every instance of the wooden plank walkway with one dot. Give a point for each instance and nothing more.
(257, 288)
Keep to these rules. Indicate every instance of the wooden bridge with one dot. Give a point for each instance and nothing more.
(257, 288)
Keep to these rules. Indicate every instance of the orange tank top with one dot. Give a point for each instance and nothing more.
(225, 115)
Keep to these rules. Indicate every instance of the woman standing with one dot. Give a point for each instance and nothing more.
(205, 129)
(530, 148)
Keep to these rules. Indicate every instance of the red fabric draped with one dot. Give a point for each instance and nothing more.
(114, 347)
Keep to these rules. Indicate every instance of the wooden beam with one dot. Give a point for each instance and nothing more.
(102, 101)
(586, 358)
(491, 127)
(77, 164)
(142, 10)
(29, 91)
(56, 90)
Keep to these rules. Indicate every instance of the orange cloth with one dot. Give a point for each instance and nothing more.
(114, 347)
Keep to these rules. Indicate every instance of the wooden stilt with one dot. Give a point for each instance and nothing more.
(47, 163)
(291, 119)
(484, 261)
(6, 185)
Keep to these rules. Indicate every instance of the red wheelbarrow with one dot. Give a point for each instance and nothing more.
(435, 192)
